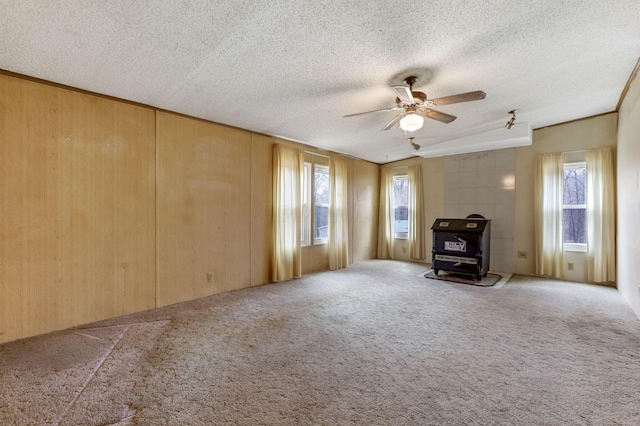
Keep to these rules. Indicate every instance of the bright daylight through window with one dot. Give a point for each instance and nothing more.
(574, 209)
(306, 206)
(321, 204)
(401, 206)
(315, 204)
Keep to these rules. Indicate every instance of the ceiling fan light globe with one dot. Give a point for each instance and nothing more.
(411, 122)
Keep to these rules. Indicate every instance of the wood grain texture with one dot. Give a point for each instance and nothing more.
(204, 208)
(109, 208)
(261, 207)
(77, 191)
(365, 186)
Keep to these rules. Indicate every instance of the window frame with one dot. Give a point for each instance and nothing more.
(575, 247)
(319, 168)
(305, 229)
(399, 235)
(308, 227)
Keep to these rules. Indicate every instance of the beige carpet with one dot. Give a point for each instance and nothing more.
(373, 344)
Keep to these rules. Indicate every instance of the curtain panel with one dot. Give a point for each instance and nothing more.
(386, 236)
(417, 248)
(601, 226)
(338, 214)
(288, 167)
(548, 215)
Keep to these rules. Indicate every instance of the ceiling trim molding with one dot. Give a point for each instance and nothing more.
(138, 104)
(632, 77)
(71, 88)
(126, 101)
(576, 120)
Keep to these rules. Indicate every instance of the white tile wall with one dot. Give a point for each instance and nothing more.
(486, 195)
(468, 195)
(487, 161)
(484, 183)
(505, 159)
(451, 180)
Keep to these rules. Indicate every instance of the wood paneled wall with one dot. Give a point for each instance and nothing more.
(261, 208)
(204, 208)
(77, 208)
(109, 208)
(365, 205)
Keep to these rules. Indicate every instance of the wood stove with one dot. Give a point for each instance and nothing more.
(461, 245)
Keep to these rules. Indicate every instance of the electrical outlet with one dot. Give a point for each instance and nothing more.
(522, 254)
(209, 277)
(570, 266)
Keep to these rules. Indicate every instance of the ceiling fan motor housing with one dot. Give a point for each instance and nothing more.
(419, 97)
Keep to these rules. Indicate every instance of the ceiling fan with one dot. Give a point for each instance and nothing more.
(415, 106)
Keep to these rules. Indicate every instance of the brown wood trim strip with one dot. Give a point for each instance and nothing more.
(577, 119)
(112, 98)
(71, 88)
(157, 109)
(632, 77)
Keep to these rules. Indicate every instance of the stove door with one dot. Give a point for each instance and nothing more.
(457, 252)
(456, 243)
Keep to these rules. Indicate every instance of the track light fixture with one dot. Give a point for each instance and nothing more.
(413, 144)
(512, 120)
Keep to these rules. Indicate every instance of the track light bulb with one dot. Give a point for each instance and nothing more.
(510, 123)
(512, 120)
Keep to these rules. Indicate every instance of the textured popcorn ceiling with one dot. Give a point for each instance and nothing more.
(294, 68)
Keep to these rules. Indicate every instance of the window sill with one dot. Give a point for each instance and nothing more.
(401, 237)
(577, 248)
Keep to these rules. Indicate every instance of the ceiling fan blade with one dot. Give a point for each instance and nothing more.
(369, 112)
(437, 115)
(404, 94)
(394, 121)
(461, 97)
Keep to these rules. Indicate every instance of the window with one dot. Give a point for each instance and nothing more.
(574, 208)
(320, 203)
(401, 206)
(575, 203)
(306, 205)
(315, 204)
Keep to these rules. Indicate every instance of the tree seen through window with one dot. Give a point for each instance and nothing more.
(574, 213)
(321, 202)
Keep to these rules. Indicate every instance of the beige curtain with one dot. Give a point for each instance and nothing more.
(385, 217)
(601, 263)
(338, 217)
(548, 214)
(288, 166)
(417, 248)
